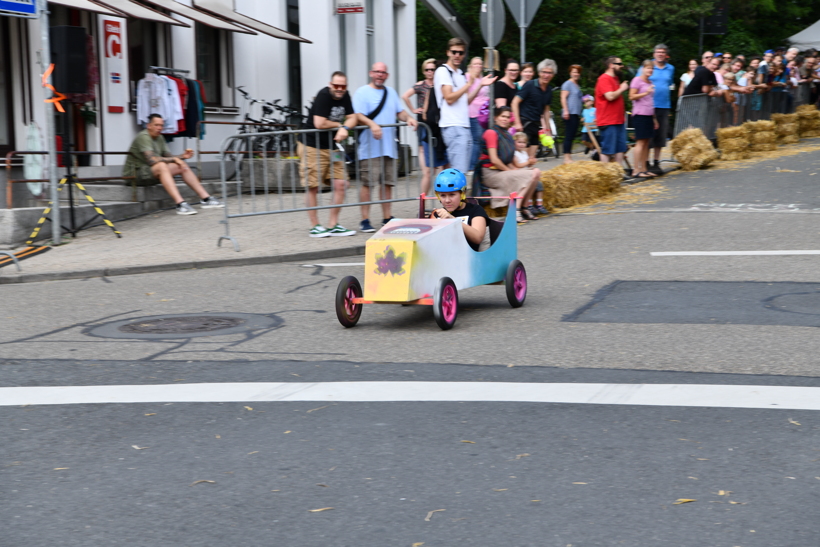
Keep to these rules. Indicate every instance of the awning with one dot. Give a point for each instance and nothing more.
(807, 38)
(198, 16)
(224, 8)
(85, 5)
(139, 11)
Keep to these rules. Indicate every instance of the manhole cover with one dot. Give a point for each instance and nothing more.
(190, 325)
(181, 325)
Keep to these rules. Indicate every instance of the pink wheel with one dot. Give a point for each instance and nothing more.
(347, 312)
(445, 303)
(516, 282)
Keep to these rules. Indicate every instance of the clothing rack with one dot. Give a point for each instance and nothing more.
(158, 69)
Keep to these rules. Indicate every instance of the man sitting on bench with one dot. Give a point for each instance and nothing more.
(149, 160)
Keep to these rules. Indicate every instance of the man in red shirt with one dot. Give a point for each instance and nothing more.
(609, 114)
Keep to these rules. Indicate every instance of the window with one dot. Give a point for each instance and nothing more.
(213, 64)
(6, 111)
(147, 47)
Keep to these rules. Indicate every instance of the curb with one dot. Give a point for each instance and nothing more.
(174, 266)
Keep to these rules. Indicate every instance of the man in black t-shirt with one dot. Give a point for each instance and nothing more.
(704, 80)
(319, 160)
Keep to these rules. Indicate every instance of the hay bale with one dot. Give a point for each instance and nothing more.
(693, 150)
(784, 118)
(788, 139)
(762, 125)
(579, 183)
(737, 132)
(805, 108)
(761, 137)
(733, 145)
(809, 134)
(786, 129)
(763, 147)
(734, 156)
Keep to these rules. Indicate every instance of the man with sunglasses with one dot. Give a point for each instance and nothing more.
(318, 158)
(609, 114)
(451, 88)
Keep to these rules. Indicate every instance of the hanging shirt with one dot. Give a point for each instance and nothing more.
(174, 106)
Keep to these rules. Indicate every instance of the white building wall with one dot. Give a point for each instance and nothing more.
(259, 64)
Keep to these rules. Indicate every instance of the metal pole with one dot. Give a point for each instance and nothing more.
(523, 31)
(492, 60)
(700, 38)
(56, 235)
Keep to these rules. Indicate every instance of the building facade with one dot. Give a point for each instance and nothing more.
(274, 49)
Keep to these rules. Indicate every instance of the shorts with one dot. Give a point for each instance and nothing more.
(531, 129)
(370, 171)
(315, 163)
(661, 133)
(644, 126)
(613, 139)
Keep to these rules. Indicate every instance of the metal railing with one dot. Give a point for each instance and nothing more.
(711, 113)
(253, 173)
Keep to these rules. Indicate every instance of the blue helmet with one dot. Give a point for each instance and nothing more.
(451, 180)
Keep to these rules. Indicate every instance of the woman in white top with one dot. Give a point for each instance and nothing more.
(686, 77)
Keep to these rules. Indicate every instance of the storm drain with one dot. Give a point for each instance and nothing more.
(160, 327)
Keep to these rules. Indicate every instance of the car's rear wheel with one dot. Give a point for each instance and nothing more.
(516, 284)
(346, 310)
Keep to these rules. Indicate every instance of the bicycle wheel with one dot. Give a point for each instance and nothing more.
(235, 157)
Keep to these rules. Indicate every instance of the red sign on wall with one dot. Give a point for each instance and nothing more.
(114, 64)
(349, 6)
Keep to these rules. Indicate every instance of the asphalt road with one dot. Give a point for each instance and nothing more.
(600, 309)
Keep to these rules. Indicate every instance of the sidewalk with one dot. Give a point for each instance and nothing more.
(165, 241)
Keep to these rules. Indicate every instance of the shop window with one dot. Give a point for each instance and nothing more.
(147, 46)
(213, 64)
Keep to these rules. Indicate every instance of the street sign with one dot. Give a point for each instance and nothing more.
(349, 6)
(492, 22)
(19, 8)
(523, 10)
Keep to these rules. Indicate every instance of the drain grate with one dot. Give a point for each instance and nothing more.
(185, 325)
(182, 325)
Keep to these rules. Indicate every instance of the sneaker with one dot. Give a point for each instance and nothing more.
(365, 227)
(211, 203)
(656, 168)
(534, 211)
(386, 220)
(541, 210)
(319, 231)
(340, 231)
(184, 209)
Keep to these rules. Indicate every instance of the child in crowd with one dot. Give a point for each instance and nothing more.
(588, 116)
(522, 160)
(451, 190)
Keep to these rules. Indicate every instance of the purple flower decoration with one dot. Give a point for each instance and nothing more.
(390, 263)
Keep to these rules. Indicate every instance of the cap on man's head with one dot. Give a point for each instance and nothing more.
(718, 54)
(769, 51)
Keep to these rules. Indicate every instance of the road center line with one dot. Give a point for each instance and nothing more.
(734, 253)
(693, 395)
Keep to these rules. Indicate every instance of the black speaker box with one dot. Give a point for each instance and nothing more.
(68, 53)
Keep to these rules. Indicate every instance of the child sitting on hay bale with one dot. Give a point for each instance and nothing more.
(693, 150)
(809, 121)
(733, 143)
(786, 128)
(579, 183)
(761, 135)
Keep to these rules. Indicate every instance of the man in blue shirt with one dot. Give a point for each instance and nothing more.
(663, 76)
(377, 156)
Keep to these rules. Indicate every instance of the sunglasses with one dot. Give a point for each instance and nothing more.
(429, 70)
(379, 71)
(339, 87)
(618, 64)
(457, 51)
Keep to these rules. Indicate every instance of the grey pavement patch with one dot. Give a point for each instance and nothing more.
(173, 266)
(704, 302)
(187, 325)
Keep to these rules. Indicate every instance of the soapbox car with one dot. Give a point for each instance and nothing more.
(427, 261)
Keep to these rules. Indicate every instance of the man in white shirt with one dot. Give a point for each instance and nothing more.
(452, 87)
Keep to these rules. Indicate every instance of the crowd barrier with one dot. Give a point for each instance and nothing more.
(711, 113)
(256, 166)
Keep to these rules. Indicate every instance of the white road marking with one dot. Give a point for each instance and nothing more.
(735, 253)
(692, 395)
(333, 264)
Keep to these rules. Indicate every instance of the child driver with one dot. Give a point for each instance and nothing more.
(451, 190)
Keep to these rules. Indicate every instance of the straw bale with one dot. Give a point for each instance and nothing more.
(763, 147)
(784, 118)
(788, 139)
(693, 150)
(580, 182)
(733, 145)
(760, 137)
(762, 125)
(733, 156)
(786, 129)
(810, 134)
(736, 132)
(805, 108)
